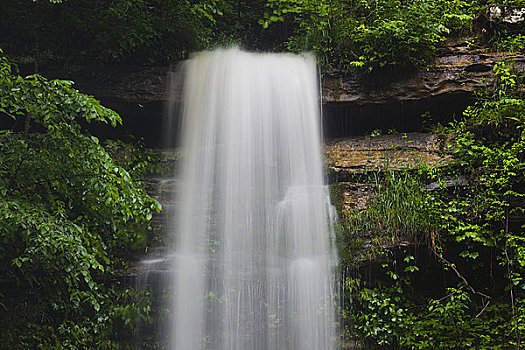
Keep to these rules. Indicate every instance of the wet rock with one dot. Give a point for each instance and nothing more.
(355, 195)
(350, 156)
(458, 68)
(497, 15)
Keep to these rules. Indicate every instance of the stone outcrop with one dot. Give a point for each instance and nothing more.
(457, 69)
(353, 105)
(350, 156)
(508, 15)
(347, 159)
(354, 195)
(497, 18)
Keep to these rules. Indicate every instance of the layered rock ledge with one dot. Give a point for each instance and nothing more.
(347, 159)
(458, 69)
(348, 156)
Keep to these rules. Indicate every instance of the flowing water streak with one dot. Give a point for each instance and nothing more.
(254, 261)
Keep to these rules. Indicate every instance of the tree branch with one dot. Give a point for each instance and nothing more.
(485, 297)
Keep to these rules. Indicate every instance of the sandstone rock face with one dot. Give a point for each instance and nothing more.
(506, 14)
(355, 195)
(456, 69)
(347, 158)
(353, 106)
(350, 156)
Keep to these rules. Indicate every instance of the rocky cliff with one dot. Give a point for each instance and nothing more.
(353, 104)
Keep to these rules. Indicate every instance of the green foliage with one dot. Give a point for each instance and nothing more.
(67, 211)
(509, 42)
(127, 31)
(368, 34)
(502, 35)
(139, 160)
(377, 35)
(476, 217)
(371, 35)
(490, 145)
(397, 208)
(397, 211)
(391, 315)
(310, 18)
(121, 311)
(130, 31)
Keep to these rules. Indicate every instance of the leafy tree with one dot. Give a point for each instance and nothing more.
(371, 34)
(127, 31)
(67, 211)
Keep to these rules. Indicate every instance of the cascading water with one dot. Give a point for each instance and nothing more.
(254, 260)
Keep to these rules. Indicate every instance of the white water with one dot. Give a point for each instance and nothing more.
(254, 261)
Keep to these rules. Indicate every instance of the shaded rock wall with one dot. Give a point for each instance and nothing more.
(353, 105)
(458, 69)
(349, 158)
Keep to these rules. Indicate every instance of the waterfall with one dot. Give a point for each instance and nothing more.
(254, 258)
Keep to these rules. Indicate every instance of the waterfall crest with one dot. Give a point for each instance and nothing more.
(254, 258)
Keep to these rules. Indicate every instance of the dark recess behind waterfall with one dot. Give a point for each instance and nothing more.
(150, 121)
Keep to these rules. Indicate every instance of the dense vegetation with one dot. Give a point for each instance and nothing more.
(72, 208)
(124, 31)
(68, 215)
(469, 231)
(370, 35)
